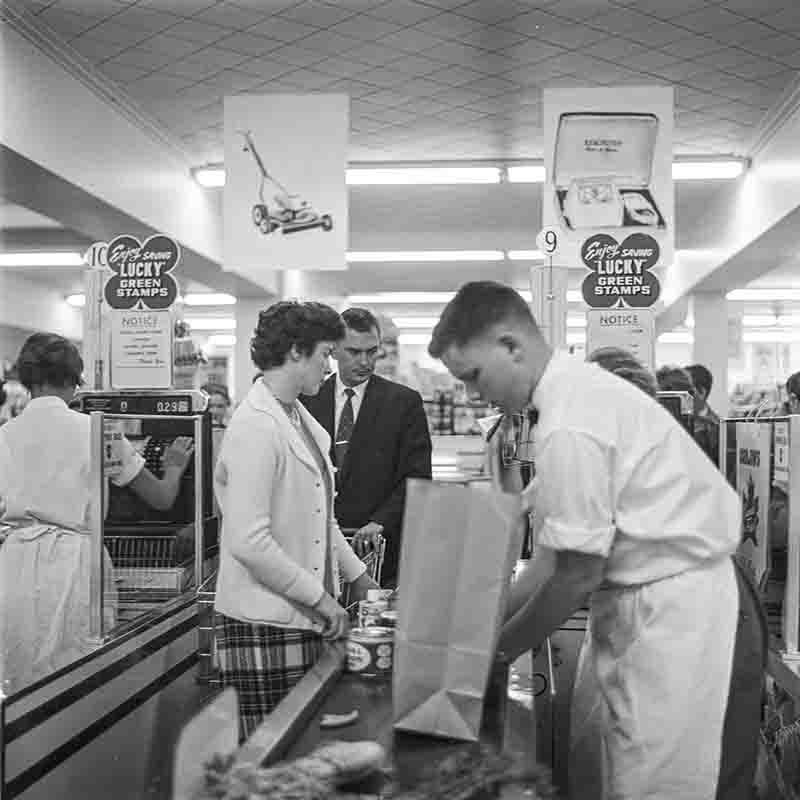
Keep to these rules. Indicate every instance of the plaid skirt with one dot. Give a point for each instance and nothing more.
(263, 663)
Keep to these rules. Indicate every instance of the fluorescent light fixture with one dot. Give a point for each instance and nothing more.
(574, 296)
(401, 298)
(77, 300)
(576, 322)
(414, 338)
(706, 170)
(676, 337)
(426, 323)
(789, 320)
(222, 340)
(57, 259)
(209, 299)
(525, 255)
(375, 176)
(382, 256)
(768, 337)
(759, 320)
(210, 176)
(576, 337)
(765, 295)
(211, 323)
(528, 174)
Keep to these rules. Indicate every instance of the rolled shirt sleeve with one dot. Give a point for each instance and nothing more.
(571, 495)
(130, 462)
(350, 565)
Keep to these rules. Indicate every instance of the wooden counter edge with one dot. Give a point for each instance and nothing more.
(784, 676)
(272, 738)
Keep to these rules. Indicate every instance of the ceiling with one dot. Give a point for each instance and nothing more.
(431, 80)
(434, 79)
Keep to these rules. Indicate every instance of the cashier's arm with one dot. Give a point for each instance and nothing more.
(160, 493)
(575, 577)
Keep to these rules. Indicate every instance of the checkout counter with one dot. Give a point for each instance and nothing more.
(105, 724)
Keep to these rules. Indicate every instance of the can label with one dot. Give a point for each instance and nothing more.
(370, 651)
(369, 612)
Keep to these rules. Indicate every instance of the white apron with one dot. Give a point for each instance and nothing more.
(44, 602)
(652, 688)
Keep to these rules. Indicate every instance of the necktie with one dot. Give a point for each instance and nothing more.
(345, 429)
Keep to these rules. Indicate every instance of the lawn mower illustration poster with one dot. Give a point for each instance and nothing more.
(608, 165)
(285, 195)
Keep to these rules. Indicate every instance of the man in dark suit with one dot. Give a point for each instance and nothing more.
(379, 438)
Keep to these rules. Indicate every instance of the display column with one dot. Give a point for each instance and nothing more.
(96, 333)
(710, 348)
(549, 302)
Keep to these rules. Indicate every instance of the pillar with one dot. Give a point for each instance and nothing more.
(710, 347)
(549, 303)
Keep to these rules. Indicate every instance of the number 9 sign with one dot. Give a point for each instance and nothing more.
(548, 241)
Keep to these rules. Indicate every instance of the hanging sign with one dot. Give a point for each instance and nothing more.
(753, 444)
(608, 187)
(629, 329)
(142, 272)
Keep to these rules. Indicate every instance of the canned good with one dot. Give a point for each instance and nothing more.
(380, 594)
(388, 619)
(369, 612)
(370, 652)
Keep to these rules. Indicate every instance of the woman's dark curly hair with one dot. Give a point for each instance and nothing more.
(290, 323)
(49, 359)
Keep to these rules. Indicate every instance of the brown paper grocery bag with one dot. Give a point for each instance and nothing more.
(459, 547)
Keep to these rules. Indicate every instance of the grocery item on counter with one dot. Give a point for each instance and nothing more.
(369, 612)
(388, 618)
(370, 652)
(313, 777)
(339, 720)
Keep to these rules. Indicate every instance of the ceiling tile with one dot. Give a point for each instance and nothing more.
(352, 87)
(422, 87)
(374, 54)
(784, 21)
(230, 15)
(748, 30)
(248, 45)
(533, 51)
(492, 85)
(96, 50)
(156, 86)
(284, 30)
(390, 98)
(364, 27)
(576, 10)
(232, 81)
(571, 36)
(411, 40)
(418, 66)
(455, 76)
(456, 54)
(123, 73)
(459, 116)
(492, 37)
(674, 9)
(462, 96)
(495, 11)
(144, 59)
(66, 23)
(165, 44)
(710, 19)
(449, 25)
(386, 78)
(533, 23)
(296, 55)
(309, 79)
(210, 58)
(181, 8)
(329, 44)
(757, 10)
(198, 31)
(665, 34)
(649, 60)
(404, 12)
(759, 69)
(316, 13)
(144, 20)
(98, 9)
(342, 67)
(775, 47)
(780, 81)
(616, 48)
(725, 58)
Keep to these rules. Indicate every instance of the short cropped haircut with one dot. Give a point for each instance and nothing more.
(701, 377)
(625, 365)
(674, 379)
(361, 320)
(793, 384)
(217, 388)
(477, 307)
(47, 359)
(290, 324)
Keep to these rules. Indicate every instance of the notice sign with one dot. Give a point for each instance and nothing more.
(629, 329)
(141, 349)
(142, 272)
(781, 474)
(753, 442)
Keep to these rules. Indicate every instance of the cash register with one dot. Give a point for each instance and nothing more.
(155, 553)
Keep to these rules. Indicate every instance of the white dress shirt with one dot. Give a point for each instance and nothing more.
(45, 464)
(341, 398)
(617, 476)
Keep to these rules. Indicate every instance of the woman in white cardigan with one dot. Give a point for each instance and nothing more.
(281, 549)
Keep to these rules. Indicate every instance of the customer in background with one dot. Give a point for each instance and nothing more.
(380, 438)
(281, 549)
(45, 494)
(793, 394)
(706, 421)
(667, 699)
(622, 363)
(219, 403)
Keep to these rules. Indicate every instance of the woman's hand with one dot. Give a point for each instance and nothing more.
(337, 623)
(179, 453)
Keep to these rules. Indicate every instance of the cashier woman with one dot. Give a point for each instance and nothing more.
(667, 696)
(45, 498)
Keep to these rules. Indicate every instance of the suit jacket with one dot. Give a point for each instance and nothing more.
(390, 443)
